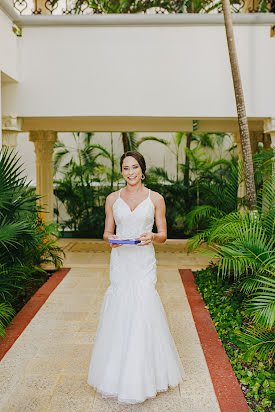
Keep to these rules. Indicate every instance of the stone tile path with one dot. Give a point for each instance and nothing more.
(46, 368)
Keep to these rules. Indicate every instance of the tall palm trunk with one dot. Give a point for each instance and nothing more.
(242, 119)
(177, 160)
(112, 161)
(187, 167)
(125, 141)
(187, 160)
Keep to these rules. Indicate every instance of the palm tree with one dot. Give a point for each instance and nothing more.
(206, 140)
(177, 145)
(112, 173)
(82, 154)
(81, 169)
(243, 242)
(125, 140)
(133, 142)
(187, 160)
(242, 119)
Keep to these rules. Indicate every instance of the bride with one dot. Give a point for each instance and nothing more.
(134, 354)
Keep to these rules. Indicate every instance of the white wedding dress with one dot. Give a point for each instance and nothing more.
(134, 354)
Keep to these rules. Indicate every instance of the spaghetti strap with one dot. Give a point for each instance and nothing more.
(149, 193)
(119, 192)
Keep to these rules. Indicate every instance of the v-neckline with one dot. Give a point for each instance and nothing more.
(132, 211)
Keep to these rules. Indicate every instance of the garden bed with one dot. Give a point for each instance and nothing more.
(31, 289)
(30, 308)
(224, 303)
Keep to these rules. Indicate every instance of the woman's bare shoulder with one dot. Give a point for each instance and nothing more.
(156, 197)
(111, 198)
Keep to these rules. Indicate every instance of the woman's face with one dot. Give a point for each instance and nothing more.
(131, 170)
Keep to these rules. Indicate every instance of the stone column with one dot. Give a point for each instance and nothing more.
(10, 128)
(241, 188)
(44, 144)
(9, 139)
(269, 131)
(255, 138)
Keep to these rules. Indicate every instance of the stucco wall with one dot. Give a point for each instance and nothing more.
(177, 70)
(9, 48)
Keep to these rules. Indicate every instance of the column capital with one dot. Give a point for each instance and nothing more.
(269, 125)
(11, 126)
(43, 136)
(11, 123)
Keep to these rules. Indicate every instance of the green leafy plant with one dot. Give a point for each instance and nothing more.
(24, 243)
(226, 305)
(243, 243)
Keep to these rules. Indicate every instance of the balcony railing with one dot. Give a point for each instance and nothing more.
(69, 7)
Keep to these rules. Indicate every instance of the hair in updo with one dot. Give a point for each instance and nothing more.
(139, 158)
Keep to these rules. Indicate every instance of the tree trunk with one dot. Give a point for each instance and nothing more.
(112, 162)
(187, 161)
(177, 160)
(125, 141)
(242, 119)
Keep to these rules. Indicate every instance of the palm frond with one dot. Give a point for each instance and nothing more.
(258, 341)
(132, 141)
(200, 213)
(261, 303)
(6, 314)
(178, 138)
(152, 138)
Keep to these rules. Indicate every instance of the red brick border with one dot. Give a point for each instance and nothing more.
(226, 385)
(25, 315)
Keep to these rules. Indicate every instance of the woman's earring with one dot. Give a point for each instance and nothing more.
(142, 177)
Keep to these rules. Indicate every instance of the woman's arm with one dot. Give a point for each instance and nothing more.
(160, 219)
(110, 221)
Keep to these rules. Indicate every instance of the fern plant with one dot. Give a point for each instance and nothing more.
(243, 242)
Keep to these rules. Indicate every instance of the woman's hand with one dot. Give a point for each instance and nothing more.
(146, 238)
(114, 244)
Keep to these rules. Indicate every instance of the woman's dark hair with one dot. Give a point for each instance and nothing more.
(139, 158)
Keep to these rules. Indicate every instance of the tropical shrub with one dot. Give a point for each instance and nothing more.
(210, 189)
(219, 192)
(243, 242)
(86, 182)
(226, 305)
(26, 242)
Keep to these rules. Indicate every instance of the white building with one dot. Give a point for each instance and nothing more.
(144, 73)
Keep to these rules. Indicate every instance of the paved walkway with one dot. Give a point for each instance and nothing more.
(46, 368)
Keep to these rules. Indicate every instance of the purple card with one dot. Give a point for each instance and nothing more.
(125, 241)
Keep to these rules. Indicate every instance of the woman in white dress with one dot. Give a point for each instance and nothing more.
(134, 355)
